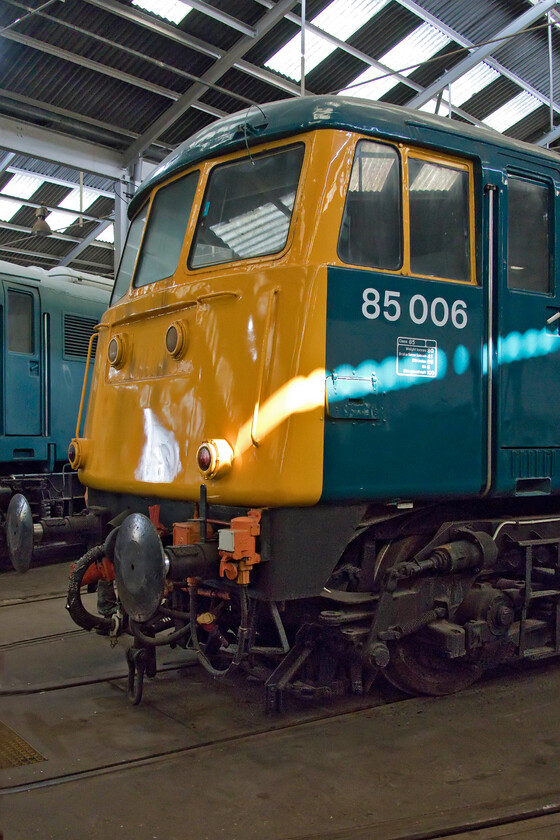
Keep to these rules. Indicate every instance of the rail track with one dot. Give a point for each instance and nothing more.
(190, 721)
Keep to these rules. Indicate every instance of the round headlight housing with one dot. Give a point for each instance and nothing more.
(77, 452)
(116, 350)
(176, 339)
(214, 458)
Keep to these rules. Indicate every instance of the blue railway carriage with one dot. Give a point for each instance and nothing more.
(335, 336)
(46, 320)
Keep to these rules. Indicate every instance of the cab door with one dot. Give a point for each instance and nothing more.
(405, 412)
(22, 361)
(528, 343)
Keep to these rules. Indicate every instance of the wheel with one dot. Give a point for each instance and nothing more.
(416, 669)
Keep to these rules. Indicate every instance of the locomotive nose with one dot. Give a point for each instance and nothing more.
(139, 567)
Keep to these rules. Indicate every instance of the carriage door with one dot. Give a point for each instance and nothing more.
(22, 371)
(528, 341)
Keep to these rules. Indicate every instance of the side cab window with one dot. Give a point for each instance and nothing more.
(529, 206)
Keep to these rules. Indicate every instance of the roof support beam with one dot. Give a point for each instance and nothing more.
(8, 158)
(413, 6)
(549, 137)
(52, 258)
(87, 240)
(215, 72)
(51, 179)
(49, 145)
(224, 18)
(174, 34)
(47, 108)
(54, 235)
(516, 26)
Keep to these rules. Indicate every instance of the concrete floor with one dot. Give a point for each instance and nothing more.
(380, 772)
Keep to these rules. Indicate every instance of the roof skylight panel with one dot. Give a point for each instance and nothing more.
(464, 88)
(23, 186)
(420, 45)
(509, 114)
(8, 209)
(107, 235)
(58, 220)
(341, 18)
(173, 10)
(72, 200)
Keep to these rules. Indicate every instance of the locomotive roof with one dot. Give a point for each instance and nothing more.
(71, 282)
(258, 124)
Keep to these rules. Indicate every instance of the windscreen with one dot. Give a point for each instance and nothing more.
(130, 252)
(247, 208)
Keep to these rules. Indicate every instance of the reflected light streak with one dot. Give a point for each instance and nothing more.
(305, 393)
(300, 394)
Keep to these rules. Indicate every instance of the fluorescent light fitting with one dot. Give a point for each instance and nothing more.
(420, 45)
(173, 10)
(341, 18)
(509, 114)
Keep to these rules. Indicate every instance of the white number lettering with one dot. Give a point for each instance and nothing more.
(459, 314)
(419, 309)
(389, 302)
(412, 309)
(370, 307)
(445, 312)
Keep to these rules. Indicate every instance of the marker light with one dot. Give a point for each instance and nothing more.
(77, 452)
(214, 458)
(176, 339)
(116, 351)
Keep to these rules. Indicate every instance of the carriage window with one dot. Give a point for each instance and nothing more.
(129, 254)
(439, 220)
(528, 236)
(165, 231)
(247, 208)
(20, 323)
(370, 233)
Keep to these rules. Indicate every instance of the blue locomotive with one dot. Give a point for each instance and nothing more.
(46, 321)
(335, 337)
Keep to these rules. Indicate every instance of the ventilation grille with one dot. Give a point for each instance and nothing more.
(77, 333)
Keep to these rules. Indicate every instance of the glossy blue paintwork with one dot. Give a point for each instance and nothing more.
(425, 435)
(274, 120)
(41, 390)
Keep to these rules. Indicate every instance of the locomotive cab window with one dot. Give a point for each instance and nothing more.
(440, 237)
(408, 212)
(20, 323)
(247, 208)
(165, 230)
(370, 234)
(528, 236)
(130, 252)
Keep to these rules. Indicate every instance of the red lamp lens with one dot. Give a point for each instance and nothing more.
(204, 458)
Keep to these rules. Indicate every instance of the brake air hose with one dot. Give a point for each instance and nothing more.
(74, 605)
(241, 634)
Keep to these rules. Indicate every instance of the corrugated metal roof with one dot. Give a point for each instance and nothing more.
(105, 72)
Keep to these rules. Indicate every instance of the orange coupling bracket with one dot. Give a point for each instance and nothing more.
(100, 570)
(238, 547)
